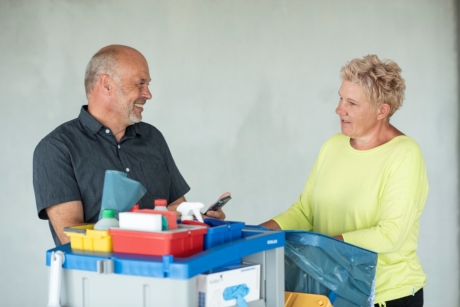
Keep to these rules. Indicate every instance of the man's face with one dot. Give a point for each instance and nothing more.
(132, 90)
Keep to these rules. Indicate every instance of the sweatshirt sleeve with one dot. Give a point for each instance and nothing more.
(299, 216)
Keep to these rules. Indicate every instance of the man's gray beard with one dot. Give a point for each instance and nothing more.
(126, 109)
(133, 117)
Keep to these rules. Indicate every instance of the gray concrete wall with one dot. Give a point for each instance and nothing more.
(244, 92)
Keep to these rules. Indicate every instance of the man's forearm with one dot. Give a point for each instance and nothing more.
(65, 215)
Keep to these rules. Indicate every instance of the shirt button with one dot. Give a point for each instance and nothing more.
(127, 170)
(107, 131)
(119, 146)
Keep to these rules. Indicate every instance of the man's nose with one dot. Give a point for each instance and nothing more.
(147, 93)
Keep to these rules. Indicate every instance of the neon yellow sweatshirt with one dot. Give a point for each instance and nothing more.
(374, 199)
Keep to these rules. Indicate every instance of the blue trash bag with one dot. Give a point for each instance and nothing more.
(318, 264)
(120, 193)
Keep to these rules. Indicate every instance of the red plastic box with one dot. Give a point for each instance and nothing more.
(182, 242)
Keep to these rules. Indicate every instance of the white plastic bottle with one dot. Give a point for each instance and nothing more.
(108, 220)
(160, 205)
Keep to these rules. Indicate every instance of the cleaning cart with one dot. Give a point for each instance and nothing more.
(97, 278)
(96, 269)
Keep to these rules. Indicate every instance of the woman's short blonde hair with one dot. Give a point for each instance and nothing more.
(380, 80)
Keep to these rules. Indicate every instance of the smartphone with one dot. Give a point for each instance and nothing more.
(219, 203)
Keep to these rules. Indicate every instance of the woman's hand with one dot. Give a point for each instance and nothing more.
(339, 237)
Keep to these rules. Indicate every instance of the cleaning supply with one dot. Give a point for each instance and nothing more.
(230, 285)
(108, 220)
(120, 193)
(237, 292)
(84, 237)
(186, 208)
(160, 204)
(169, 215)
(140, 221)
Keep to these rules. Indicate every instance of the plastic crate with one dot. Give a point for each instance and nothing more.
(221, 232)
(171, 267)
(182, 242)
(84, 237)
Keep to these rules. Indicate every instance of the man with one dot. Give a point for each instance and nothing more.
(70, 163)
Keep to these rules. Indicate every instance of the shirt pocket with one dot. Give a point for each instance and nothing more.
(157, 180)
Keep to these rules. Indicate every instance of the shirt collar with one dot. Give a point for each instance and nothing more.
(94, 126)
(87, 120)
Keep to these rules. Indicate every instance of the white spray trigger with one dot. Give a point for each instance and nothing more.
(186, 208)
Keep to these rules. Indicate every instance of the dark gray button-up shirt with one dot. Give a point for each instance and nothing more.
(69, 164)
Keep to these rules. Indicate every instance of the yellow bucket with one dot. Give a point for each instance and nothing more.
(295, 299)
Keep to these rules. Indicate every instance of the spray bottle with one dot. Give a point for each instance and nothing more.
(186, 208)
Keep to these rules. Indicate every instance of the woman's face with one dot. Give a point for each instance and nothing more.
(357, 119)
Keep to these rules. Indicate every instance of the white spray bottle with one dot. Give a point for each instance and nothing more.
(186, 208)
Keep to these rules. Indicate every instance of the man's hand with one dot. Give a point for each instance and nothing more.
(65, 215)
(173, 206)
(219, 214)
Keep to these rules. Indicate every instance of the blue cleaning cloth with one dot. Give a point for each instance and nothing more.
(120, 193)
(164, 223)
(237, 292)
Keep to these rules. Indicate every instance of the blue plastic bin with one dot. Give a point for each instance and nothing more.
(221, 232)
(168, 266)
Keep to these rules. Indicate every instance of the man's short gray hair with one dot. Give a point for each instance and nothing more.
(103, 62)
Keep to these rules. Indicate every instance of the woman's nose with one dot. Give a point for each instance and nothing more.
(339, 110)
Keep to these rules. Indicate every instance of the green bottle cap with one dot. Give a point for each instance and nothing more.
(108, 213)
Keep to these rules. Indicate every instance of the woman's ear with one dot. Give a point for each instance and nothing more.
(384, 110)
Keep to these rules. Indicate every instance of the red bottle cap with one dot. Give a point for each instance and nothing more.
(160, 203)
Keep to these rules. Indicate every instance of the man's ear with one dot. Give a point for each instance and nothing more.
(384, 110)
(105, 84)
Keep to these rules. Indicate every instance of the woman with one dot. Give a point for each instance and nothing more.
(368, 186)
